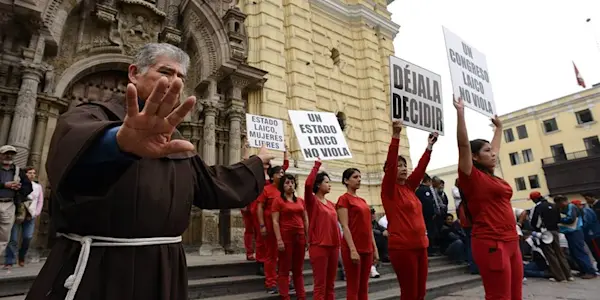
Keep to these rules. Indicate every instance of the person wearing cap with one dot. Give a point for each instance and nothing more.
(591, 230)
(592, 202)
(14, 188)
(545, 217)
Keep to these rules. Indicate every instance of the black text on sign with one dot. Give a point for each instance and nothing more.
(319, 135)
(416, 97)
(265, 131)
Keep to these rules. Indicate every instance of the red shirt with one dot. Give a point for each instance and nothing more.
(359, 221)
(488, 200)
(252, 206)
(268, 196)
(323, 229)
(403, 209)
(291, 214)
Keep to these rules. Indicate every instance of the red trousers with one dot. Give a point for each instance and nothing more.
(324, 261)
(501, 268)
(292, 259)
(270, 256)
(411, 268)
(260, 249)
(248, 233)
(357, 275)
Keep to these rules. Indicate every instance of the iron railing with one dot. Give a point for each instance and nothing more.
(571, 156)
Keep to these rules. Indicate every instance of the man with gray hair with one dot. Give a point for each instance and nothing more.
(14, 188)
(123, 181)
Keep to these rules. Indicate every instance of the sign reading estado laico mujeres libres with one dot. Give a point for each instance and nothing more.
(416, 96)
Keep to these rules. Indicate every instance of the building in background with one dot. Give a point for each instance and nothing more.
(261, 57)
(553, 147)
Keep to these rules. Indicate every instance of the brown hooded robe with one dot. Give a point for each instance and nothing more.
(140, 198)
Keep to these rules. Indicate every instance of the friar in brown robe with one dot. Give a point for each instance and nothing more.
(120, 172)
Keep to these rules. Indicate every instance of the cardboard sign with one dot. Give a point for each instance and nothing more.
(470, 76)
(319, 135)
(265, 131)
(416, 96)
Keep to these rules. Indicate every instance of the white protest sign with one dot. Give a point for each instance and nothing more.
(416, 96)
(319, 135)
(265, 131)
(469, 73)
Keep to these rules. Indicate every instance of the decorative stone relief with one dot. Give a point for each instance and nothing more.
(137, 28)
(49, 81)
(197, 27)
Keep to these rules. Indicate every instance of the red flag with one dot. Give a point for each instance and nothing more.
(579, 78)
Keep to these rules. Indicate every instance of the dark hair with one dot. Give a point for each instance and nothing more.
(348, 173)
(29, 168)
(400, 159)
(588, 194)
(456, 182)
(319, 180)
(463, 201)
(426, 178)
(272, 171)
(442, 182)
(476, 146)
(282, 183)
(560, 198)
(449, 215)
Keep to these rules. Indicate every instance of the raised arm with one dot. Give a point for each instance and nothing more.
(286, 159)
(416, 176)
(391, 162)
(218, 187)
(497, 139)
(309, 197)
(465, 160)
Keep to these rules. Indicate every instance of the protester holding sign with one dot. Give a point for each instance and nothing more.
(359, 251)
(408, 241)
(324, 233)
(290, 224)
(495, 241)
(266, 245)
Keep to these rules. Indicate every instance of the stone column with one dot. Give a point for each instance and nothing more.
(38, 140)
(235, 114)
(5, 127)
(24, 116)
(210, 221)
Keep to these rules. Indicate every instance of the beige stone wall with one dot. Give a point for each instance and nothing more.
(294, 41)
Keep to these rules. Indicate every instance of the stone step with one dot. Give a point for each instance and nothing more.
(212, 277)
(439, 287)
(437, 275)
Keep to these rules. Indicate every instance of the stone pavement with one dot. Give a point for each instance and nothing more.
(540, 289)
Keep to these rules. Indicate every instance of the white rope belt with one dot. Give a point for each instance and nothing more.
(88, 241)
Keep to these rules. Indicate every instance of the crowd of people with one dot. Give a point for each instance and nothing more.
(107, 197)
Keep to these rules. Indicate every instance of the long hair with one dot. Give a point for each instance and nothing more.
(476, 146)
(282, 184)
(319, 180)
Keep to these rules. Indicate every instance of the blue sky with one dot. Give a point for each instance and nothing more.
(529, 46)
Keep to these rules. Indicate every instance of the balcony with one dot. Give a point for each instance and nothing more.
(573, 173)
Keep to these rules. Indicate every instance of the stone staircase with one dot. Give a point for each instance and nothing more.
(231, 277)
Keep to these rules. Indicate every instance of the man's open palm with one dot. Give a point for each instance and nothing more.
(148, 133)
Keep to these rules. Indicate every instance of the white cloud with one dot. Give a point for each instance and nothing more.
(529, 46)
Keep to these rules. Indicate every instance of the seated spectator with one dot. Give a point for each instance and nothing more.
(381, 238)
(452, 241)
(538, 266)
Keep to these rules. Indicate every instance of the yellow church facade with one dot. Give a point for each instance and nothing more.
(327, 55)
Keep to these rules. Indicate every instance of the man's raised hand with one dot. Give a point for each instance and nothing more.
(148, 133)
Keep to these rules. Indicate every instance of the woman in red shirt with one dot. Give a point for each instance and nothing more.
(267, 240)
(494, 238)
(407, 241)
(359, 251)
(324, 233)
(250, 216)
(290, 224)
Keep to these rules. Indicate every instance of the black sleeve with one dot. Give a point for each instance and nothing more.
(535, 216)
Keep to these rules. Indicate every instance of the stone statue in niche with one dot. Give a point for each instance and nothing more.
(137, 27)
(49, 80)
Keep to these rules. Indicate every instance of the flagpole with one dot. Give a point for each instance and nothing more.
(589, 21)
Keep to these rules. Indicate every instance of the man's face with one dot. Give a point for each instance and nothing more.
(7, 157)
(145, 82)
